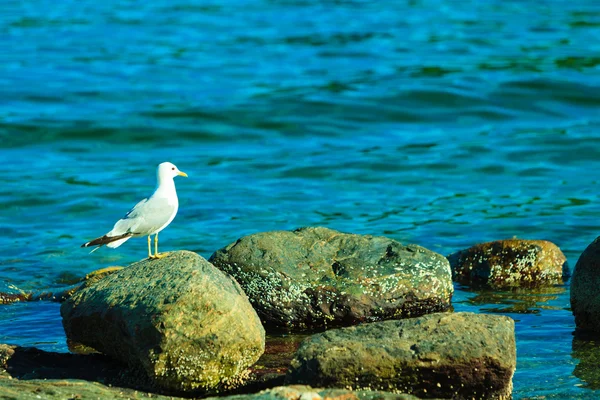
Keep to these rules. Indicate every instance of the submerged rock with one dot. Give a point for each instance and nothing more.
(179, 319)
(12, 294)
(61, 295)
(318, 277)
(509, 263)
(585, 293)
(447, 355)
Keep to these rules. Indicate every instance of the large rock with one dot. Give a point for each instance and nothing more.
(318, 277)
(585, 293)
(509, 263)
(458, 356)
(185, 323)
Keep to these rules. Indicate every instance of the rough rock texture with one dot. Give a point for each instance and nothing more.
(510, 263)
(447, 355)
(61, 389)
(585, 289)
(300, 392)
(318, 277)
(185, 323)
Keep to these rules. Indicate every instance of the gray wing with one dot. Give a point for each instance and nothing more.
(146, 217)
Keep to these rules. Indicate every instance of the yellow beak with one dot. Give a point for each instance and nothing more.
(182, 174)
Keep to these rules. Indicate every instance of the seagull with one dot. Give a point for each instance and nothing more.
(149, 216)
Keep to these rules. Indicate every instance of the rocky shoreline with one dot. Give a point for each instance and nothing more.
(301, 314)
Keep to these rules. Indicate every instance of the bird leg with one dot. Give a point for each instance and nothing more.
(156, 253)
(149, 248)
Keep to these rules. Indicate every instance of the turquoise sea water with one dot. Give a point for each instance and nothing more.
(437, 122)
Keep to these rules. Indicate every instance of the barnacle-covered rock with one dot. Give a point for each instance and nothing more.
(509, 263)
(179, 319)
(319, 277)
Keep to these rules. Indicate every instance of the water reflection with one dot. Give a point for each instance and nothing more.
(586, 349)
(516, 300)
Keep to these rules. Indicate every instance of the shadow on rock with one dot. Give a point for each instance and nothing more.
(31, 363)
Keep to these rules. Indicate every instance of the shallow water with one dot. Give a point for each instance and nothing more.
(433, 122)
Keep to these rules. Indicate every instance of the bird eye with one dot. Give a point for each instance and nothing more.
(173, 168)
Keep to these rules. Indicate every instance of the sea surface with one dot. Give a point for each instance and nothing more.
(443, 123)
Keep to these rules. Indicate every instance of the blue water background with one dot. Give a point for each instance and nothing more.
(437, 122)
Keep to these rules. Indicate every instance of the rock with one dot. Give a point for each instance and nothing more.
(61, 389)
(585, 296)
(447, 355)
(510, 263)
(318, 277)
(300, 392)
(183, 322)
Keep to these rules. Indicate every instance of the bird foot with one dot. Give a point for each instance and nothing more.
(157, 256)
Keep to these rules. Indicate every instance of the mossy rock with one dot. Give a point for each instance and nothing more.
(179, 319)
(318, 277)
(509, 263)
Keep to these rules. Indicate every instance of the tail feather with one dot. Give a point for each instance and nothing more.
(117, 243)
(108, 239)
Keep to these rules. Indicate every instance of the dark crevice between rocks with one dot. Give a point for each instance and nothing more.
(271, 369)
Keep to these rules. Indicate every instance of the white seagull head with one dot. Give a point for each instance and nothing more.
(168, 170)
